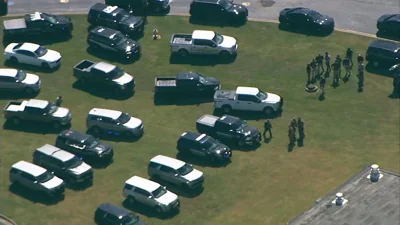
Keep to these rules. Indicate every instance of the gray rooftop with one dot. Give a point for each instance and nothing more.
(368, 203)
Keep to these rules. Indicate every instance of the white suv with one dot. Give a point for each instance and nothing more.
(176, 172)
(113, 122)
(151, 194)
(36, 178)
(19, 81)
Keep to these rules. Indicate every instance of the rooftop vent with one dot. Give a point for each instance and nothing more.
(375, 174)
(339, 200)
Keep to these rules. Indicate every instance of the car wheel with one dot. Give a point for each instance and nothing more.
(29, 91)
(226, 109)
(56, 125)
(13, 60)
(158, 209)
(131, 200)
(224, 54)
(183, 53)
(268, 111)
(45, 65)
(16, 120)
(95, 130)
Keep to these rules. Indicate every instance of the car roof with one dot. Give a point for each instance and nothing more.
(35, 16)
(104, 31)
(98, 6)
(387, 45)
(114, 210)
(114, 114)
(37, 103)
(208, 1)
(74, 135)
(57, 153)
(203, 34)
(143, 183)
(168, 161)
(8, 72)
(190, 135)
(105, 67)
(228, 119)
(247, 91)
(29, 168)
(396, 17)
(29, 47)
(300, 10)
(187, 75)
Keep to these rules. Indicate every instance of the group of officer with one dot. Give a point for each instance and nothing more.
(295, 124)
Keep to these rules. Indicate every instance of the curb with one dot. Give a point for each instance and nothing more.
(250, 19)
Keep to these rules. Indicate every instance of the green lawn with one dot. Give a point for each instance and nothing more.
(344, 133)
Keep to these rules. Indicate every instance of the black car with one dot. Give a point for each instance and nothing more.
(113, 41)
(87, 147)
(3, 7)
(110, 214)
(117, 18)
(384, 53)
(203, 146)
(218, 11)
(390, 24)
(305, 18)
(142, 7)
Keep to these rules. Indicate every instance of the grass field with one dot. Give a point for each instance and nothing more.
(270, 186)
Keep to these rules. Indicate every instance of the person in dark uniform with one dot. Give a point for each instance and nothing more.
(322, 83)
(308, 68)
(336, 76)
(320, 64)
(313, 70)
(360, 58)
(347, 68)
(293, 124)
(59, 101)
(396, 86)
(361, 77)
(301, 130)
(349, 55)
(339, 61)
(328, 62)
(292, 136)
(267, 128)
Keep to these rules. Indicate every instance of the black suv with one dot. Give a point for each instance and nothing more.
(390, 24)
(86, 146)
(114, 41)
(382, 52)
(65, 165)
(110, 214)
(204, 146)
(116, 18)
(218, 11)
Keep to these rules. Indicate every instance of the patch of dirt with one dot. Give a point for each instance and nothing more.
(267, 3)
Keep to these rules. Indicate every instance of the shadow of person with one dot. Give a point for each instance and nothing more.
(290, 147)
(267, 139)
(300, 142)
(321, 97)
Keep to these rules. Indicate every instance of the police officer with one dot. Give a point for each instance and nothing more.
(59, 101)
(301, 130)
(361, 76)
(313, 70)
(347, 65)
(336, 76)
(267, 128)
(360, 58)
(308, 68)
(292, 136)
(396, 85)
(293, 123)
(328, 62)
(320, 64)
(339, 61)
(155, 34)
(349, 55)
(322, 83)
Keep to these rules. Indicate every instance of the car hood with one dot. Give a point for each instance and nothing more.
(133, 123)
(132, 20)
(80, 169)
(61, 112)
(63, 19)
(194, 175)
(272, 98)
(237, 9)
(124, 79)
(31, 79)
(128, 44)
(250, 131)
(212, 81)
(325, 20)
(51, 56)
(228, 42)
(9, 48)
(222, 148)
(167, 198)
(52, 183)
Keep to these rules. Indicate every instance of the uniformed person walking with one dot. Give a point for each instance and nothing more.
(396, 85)
(322, 83)
(59, 101)
(320, 64)
(313, 70)
(267, 128)
(293, 124)
(336, 76)
(347, 67)
(339, 61)
(301, 130)
(328, 62)
(308, 68)
(292, 136)
(360, 58)
(361, 76)
(349, 55)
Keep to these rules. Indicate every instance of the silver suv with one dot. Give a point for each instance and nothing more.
(113, 122)
(36, 178)
(19, 81)
(176, 172)
(151, 194)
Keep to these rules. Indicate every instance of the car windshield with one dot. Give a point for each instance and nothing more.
(202, 79)
(116, 73)
(74, 162)
(262, 95)
(124, 118)
(41, 51)
(51, 108)
(118, 38)
(50, 18)
(226, 4)
(129, 220)
(91, 142)
(239, 125)
(209, 142)
(122, 15)
(185, 169)
(314, 15)
(21, 75)
(44, 177)
(159, 192)
(218, 38)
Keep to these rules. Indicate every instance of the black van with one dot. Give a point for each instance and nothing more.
(110, 214)
(385, 53)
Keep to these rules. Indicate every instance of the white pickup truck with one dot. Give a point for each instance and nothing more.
(248, 99)
(203, 42)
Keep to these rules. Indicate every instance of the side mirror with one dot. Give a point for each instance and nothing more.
(176, 174)
(214, 45)
(230, 130)
(35, 182)
(150, 197)
(44, 114)
(52, 172)
(118, 124)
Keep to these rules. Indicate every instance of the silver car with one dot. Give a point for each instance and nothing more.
(18, 81)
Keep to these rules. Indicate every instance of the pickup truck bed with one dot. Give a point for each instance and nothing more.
(15, 106)
(182, 39)
(83, 65)
(208, 120)
(14, 24)
(225, 95)
(166, 82)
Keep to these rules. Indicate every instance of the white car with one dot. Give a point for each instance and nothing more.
(32, 54)
(19, 81)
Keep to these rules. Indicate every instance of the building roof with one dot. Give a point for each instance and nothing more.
(247, 91)
(203, 34)
(103, 66)
(8, 72)
(143, 183)
(168, 161)
(368, 203)
(114, 114)
(37, 103)
(29, 47)
(29, 168)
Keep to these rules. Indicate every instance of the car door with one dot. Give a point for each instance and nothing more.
(9, 83)
(297, 19)
(199, 47)
(110, 219)
(110, 124)
(35, 114)
(244, 102)
(99, 77)
(143, 197)
(108, 20)
(28, 180)
(225, 131)
(168, 174)
(23, 56)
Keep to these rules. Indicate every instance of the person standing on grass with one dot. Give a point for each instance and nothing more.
(339, 63)
(328, 62)
(301, 130)
(322, 83)
(59, 101)
(320, 64)
(308, 68)
(360, 58)
(293, 124)
(292, 136)
(349, 55)
(360, 76)
(267, 128)
(336, 68)
(313, 70)
(347, 66)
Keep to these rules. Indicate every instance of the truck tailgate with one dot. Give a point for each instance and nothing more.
(14, 24)
(165, 82)
(208, 120)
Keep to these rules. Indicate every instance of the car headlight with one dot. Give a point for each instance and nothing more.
(218, 151)
(132, 26)
(128, 49)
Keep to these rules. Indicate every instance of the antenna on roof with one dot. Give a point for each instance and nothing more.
(375, 174)
(339, 200)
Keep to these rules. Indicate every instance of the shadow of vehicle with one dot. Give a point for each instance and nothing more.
(135, 37)
(304, 31)
(215, 23)
(200, 60)
(114, 136)
(180, 99)
(40, 40)
(246, 148)
(8, 95)
(102, 92)
(148, 212)
(248, 115)
(34, 196)
(380, 69)
(79, 187)
(191, 159)
(106, 55)
(178, 190)
(33, 127)
(389, 36)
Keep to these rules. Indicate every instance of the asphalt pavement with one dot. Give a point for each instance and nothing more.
(356, 15)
